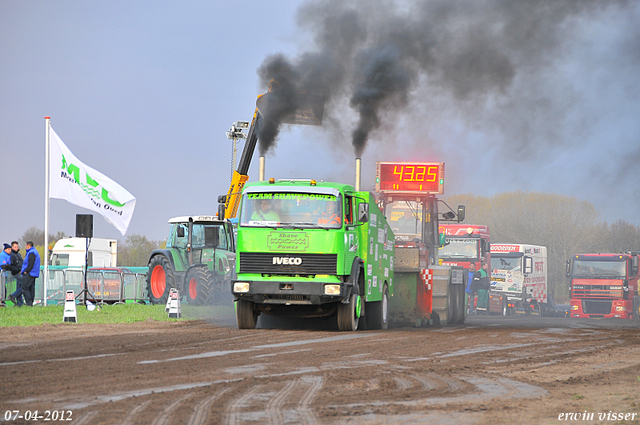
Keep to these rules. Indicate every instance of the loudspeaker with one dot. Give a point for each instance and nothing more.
(84, 225)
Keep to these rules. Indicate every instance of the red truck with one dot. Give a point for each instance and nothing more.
(603, 285)
(465, 244)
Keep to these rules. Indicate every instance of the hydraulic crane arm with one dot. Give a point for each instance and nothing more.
(240, 175)
(308, 112)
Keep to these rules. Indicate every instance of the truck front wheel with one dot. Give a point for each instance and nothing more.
(159, 280)
(246, 316)
(198, 285)
(348, 317)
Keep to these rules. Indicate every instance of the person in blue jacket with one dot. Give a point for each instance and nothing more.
(469, 290)
(30, 271)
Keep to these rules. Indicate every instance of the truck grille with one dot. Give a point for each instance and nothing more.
(599, 291)
(283, 299)
(297, 264)
(596, 307)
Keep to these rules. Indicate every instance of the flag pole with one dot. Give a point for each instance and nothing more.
(47, 126)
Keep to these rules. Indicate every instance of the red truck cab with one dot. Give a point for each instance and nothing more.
(465, 244)
(603, 285)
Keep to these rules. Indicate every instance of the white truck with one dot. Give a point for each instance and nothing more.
(519, 281)
(70, 252)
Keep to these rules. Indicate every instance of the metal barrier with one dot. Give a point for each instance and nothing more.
(3, 289)
(106, 286)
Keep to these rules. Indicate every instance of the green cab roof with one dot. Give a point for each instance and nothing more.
(298, 185)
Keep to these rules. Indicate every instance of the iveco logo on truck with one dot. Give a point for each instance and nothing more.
(294, 261)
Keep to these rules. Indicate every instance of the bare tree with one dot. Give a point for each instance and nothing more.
(565, 225)
(37, 236)
(136, 250)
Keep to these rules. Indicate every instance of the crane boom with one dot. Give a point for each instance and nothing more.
(308, 112)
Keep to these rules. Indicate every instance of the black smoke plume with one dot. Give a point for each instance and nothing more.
(493, 62)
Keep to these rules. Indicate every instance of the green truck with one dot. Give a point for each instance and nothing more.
(313, 249)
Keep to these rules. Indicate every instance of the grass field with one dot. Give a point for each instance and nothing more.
(119, 313)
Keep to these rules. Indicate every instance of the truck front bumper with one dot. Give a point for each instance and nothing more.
(290, 293)
(584, 308)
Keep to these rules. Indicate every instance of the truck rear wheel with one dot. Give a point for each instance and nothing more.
(246, 316)
(198, 285)
(159, 279)
(348, 314)
(456, 304)
(377, 313)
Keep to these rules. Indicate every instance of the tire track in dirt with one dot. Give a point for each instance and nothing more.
(167, 414)
(200, 413)
(233, 411)
(128, 420)
(304, 407)
(274, 406)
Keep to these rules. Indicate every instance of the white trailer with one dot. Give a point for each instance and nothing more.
(519, 278)
(70, 252)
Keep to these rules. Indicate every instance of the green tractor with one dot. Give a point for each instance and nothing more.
(199, 261)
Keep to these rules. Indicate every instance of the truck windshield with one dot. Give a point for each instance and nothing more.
(291, 209)
(459, 248)
(406, 220)
(506, 263)
(599, 269)
(59, 260)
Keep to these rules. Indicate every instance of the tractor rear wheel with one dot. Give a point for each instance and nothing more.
(159, 279)
(198, 285)
(246, 316)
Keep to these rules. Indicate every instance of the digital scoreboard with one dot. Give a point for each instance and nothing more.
(410, 177)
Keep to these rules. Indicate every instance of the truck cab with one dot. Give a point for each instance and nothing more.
(312, 249)
(71, 252)
(519, 281)
(465, 244)
(603, 285)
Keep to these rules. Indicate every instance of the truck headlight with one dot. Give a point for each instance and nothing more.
(332, 289)
(574, 307)
(240, 286)
(621, 308)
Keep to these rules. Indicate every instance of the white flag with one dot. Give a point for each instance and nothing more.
(81, 185)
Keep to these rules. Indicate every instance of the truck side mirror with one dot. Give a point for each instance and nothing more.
(528, 265)
(363, 212)
(220, 211)
(569, 268)
(634, 266)
(461, 213)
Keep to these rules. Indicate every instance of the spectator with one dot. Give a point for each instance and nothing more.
(30, 271)
(5, 265)
(16, 267)
(483, 284)
(470, 292)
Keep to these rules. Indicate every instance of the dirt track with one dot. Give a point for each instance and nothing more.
(196, 373)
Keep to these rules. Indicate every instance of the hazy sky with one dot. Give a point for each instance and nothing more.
(538, 96)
